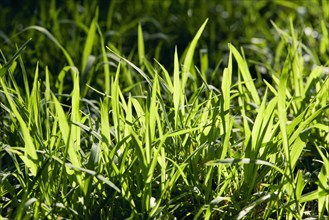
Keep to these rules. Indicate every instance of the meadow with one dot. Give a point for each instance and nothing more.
(164, 110)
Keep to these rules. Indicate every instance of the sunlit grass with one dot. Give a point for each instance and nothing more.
(112, 138)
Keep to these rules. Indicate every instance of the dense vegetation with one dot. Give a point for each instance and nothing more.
(164, 109)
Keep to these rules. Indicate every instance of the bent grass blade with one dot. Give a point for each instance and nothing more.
(243, 67)
(53, 39)
(7, 65)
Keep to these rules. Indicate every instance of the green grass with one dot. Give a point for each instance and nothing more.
(117, 136)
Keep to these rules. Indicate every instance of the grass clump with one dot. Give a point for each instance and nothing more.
(114, 136)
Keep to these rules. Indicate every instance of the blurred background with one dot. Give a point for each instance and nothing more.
(166, 24)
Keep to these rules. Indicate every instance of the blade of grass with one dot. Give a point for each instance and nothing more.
(177, 95)
(116, 103)
(226, 90)
(25, 77)
(53, 39)
(34, 102)
(141, 49)
(282, 109)
(252, 205)
(30, 157)
(150, 125)
(189, 55)
(65, 129)
(7, 65)
(167, 79)
(89, 42)
(243, 67)
(75, 111)
(105, 61)
(148, 80)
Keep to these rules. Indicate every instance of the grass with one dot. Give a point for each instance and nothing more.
(115, 136)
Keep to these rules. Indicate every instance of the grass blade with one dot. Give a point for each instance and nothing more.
(243, 67)
(189, 55)
(252, 205)
(141, 49)
(30, 157)
(7, 65)
(53, 39)
(89, 43)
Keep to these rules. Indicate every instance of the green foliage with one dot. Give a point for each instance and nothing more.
(107, 133)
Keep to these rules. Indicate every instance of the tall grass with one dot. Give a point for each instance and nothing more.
(155, 143)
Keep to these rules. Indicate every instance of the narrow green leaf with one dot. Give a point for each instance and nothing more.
(105, 127)
(65, 131)
(47, 82)
(189, 55)
(53, 39)
(89, 42)
(150, 119)
(30, 157)
(34, 101)
(75, 111)
(226, 83)
(282, 109)
(88, 129)
(169, 84)
(105, 61)
(243, 67)
(7, 65)
(252, 205)
(141, 50)
(230, 161)
(133, 66)
(25, 77)
(177, 87)
(116, 103)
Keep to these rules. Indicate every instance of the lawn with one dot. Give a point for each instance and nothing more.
(164, 109)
